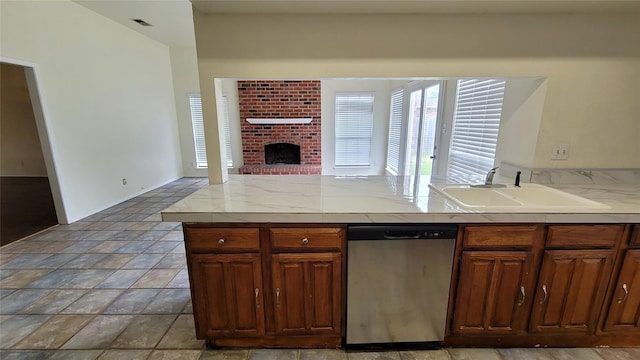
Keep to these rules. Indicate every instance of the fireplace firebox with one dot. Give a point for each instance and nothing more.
(281, 153)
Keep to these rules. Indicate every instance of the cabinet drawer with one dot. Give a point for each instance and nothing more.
(223, 239)
(301, 239)
(583, 236)
(491, 237)
(635, 236)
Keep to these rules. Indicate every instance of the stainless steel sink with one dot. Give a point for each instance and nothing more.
(527, 196)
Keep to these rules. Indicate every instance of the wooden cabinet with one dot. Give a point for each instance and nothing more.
(230, 294)
(553, 287)
(571, 290)
(496, 279)
(624, 311)
(307, 293)
(267, 285)
(492, 292)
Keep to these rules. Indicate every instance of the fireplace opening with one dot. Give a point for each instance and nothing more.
(281, 153)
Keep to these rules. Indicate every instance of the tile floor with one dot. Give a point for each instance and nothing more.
(115, 286)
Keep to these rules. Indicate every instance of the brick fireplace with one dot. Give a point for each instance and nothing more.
(284, 100)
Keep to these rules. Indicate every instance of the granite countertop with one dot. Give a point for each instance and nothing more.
(378, 199)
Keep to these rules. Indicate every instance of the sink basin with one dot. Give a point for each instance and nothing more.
(528, 196)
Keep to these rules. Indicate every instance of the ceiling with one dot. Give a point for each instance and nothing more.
(172, 20)
(415, 6)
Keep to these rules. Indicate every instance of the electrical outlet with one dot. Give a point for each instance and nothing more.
(124, 181)
(560, 152)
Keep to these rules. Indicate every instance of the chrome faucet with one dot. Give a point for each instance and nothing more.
(488, 180)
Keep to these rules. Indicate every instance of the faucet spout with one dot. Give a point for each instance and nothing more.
(488, 180)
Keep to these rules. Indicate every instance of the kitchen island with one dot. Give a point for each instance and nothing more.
(267, 254)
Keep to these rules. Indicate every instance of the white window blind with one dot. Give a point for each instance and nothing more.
(227, 131)
(475, 126)
(195, 104)
(198, 130)
(395, 129)
(354, 126)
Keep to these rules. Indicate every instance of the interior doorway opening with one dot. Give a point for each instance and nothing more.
(26, 198)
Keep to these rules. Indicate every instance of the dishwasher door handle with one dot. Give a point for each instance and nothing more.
(396, 235)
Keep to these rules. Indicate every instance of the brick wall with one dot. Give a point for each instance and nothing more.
(280, 99)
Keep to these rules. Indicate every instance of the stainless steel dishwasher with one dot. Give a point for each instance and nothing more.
(398, 279)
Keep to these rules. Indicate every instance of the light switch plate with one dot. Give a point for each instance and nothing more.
(560, 152)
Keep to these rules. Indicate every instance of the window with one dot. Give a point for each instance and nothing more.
(395, 130)
(354, 126)
(197, 121)
(227, 131)
(475, 126)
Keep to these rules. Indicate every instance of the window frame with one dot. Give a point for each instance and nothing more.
(342, 160)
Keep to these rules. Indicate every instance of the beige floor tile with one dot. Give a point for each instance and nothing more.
(425, 355)
(22, 278)
(181, 335)
(224, 355)
(124, 354)
(54, 302)
(108, 247)
(574, 354)
(55, 332)
(619, 353)
(322, 354)
(99, 333)
(17, 327)
(93, 302)
(113, 261)
(155, 279)
(144, 332)
(273, 354)
(474, 354)
(75, 355)
(525, 354)
(175, 355)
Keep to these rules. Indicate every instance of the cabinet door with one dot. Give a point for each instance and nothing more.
(570, 290)
(624, 312)
(307, 293)
(493, 291)
(228, 295)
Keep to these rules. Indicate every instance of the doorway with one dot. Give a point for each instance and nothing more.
(423, 114)
(26, 203)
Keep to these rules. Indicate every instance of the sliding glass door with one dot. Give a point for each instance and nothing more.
(423, 113)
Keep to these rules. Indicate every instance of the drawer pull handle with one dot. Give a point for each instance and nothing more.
(257, 291)
(546, 294)
(221, 241)
(625, 288)
(278, 297)
(305, 241)
(524, 296)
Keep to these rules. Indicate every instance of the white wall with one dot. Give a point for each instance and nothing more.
(520, 121)
(107, 99)
(184, 66)
(591, 61)
(379, 138)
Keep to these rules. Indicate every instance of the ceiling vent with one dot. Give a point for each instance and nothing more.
(141, 22)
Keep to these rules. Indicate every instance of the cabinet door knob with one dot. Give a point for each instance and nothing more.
(546, 294)
(625, 288)
(278, 297)
(305, 241)
(524, 296)
(221, 241)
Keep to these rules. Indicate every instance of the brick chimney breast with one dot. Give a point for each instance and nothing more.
(280, 99)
